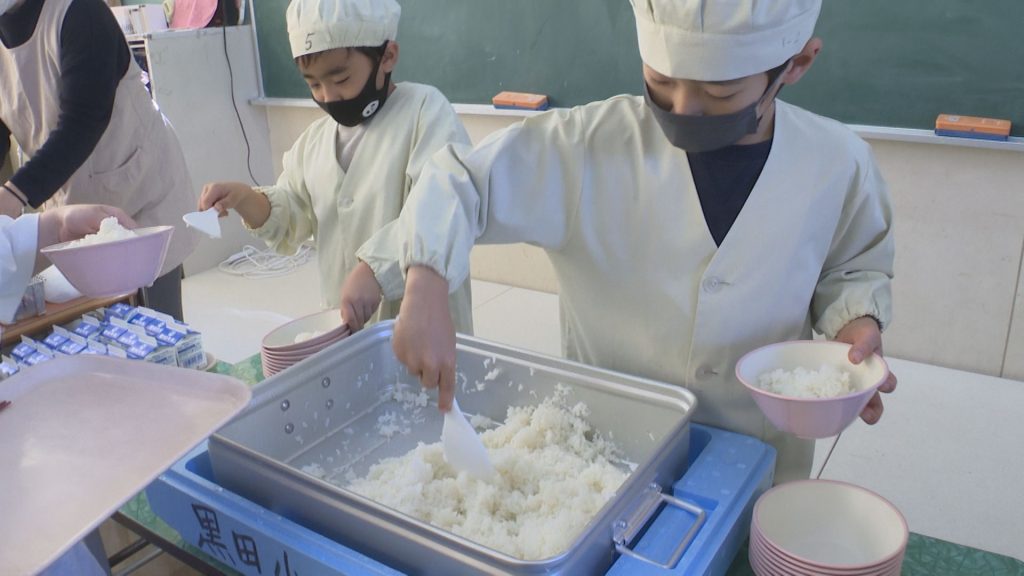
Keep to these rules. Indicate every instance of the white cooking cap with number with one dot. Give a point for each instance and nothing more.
(716, 40)
(319, 25)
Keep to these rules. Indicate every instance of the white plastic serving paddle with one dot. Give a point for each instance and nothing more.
(462, 446)
(206, 222)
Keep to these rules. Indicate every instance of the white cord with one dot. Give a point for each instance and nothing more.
(252, 262)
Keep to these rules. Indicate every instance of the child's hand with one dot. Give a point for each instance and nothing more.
(360, 297)
(224, 196)
(251, 205)
(865, 339)
(424, 338)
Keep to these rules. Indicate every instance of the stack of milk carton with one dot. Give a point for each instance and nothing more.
(120, 331)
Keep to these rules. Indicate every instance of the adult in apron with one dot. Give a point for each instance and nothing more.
(669, 266)
(73, 99)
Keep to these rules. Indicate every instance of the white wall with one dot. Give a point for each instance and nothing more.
(959, 244)
(193, 89)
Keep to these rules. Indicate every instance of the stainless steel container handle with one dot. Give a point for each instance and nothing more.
(626, 530)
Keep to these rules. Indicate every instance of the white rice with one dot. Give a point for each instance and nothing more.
(110, 230)
(554, 474)
(827, 382)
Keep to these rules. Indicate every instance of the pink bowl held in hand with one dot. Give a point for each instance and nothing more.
(811, 417)
(113, 268)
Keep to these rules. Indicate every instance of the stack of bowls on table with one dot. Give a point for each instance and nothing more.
(299, 339)
(823, 527)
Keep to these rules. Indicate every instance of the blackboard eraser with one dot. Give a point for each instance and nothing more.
(520, 101)
(972, 127)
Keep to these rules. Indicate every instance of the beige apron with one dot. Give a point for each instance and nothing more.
(137, 165)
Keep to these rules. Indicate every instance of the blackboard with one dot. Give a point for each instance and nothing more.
(892, 63)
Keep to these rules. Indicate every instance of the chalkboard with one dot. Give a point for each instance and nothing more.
(885, 62)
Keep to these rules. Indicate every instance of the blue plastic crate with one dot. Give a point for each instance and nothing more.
(727, 473)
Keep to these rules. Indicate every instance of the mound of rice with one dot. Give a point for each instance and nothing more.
(110, 230)
(827, 382)
(554, 474)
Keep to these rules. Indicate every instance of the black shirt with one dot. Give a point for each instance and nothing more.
(724, 180)
(94, 57)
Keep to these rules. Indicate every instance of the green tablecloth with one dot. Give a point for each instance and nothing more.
(925, 556)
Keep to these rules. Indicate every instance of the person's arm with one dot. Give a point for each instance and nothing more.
(93, 58)
(12, 202)
(520, 185)
(378, 274)
(282, 214)
(21, 239)
(290, 219)
(251, 205)
(856, 279)
(853, 300)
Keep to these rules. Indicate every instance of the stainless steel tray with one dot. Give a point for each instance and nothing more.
(325, 411)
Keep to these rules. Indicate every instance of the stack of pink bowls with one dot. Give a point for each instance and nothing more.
(290, 343)
(824, 527)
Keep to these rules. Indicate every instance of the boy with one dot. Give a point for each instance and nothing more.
(686, 227)
(348, 175)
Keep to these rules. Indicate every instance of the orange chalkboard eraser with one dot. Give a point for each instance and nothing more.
(520, 101)
(972, 127)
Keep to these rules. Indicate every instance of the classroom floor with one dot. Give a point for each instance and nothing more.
(954, 478)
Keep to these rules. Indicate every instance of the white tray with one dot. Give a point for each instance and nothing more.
(84, 434)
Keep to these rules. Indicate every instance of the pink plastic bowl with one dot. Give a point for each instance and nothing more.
(282, 339)
(113, 268)
(811, 417)
(828, 527)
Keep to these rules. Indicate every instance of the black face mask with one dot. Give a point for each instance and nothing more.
(357, 110)
(693, 133)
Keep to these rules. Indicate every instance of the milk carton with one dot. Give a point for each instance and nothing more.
(141, 346)
(87, 327)
(8, 367)
(188, 343)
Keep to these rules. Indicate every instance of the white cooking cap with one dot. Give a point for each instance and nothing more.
(319, 25)
(714, 40)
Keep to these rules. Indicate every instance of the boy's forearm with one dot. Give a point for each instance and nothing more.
(254, 209)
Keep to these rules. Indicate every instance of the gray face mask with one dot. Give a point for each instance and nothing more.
(704, 133)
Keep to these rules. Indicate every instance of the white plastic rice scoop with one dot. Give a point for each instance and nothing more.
(462, 446)
(206, 222)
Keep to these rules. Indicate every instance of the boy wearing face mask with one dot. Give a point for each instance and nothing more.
(686, 227)
(349, 174)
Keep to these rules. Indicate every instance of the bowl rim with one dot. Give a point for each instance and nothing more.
(327, 336)
(754, 388)
(320, 344)
(779, 557)
(795, 484)
(139, 233)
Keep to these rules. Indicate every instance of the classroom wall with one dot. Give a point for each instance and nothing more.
(959, 237)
